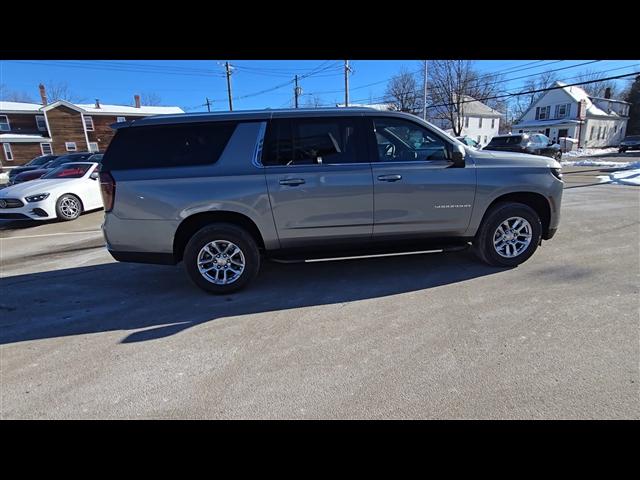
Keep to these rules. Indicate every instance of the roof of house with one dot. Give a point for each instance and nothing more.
(23, 107)
(471, 106)
(375, 106)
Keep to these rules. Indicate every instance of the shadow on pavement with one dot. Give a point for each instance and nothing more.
(159, 301)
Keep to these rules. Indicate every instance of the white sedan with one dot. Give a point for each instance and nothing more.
(64, 193)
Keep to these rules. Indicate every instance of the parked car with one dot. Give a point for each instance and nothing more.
(33, 164)
(221, 191)
(64, 193)
(469, 142)
(55, 163)
(534, 143)
(630, 142)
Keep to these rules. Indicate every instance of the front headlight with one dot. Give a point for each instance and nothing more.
(557, 172)
(36, 198)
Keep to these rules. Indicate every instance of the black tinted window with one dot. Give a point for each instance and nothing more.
(167, 146)
(515, 140)
(311, 141)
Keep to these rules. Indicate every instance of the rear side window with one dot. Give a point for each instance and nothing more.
(515, 140)
(302, 141)
(161, 146)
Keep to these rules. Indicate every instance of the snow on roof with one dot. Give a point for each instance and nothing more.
(20, 137)
(578, 94)
(19, 106)
(375, 106)
(471, 106)
(126, 109)
(91, 108)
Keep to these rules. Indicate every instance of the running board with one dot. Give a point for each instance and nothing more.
(328, 258)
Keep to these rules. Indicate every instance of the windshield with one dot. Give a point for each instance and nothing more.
(69, 170)
(40, 160)
(66, 159)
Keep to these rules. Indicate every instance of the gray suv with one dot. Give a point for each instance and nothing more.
(223, 191)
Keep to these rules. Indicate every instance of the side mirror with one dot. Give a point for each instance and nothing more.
(457, 156)
(94, 175)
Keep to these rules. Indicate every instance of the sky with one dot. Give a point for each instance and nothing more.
(257, 84)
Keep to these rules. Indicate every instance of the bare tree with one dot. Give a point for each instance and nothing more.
(452, 87)
(521, 103)
(150, 98)
(403, 93)
(599, 86)
(60, 91)
(313, 101)
(13, 95)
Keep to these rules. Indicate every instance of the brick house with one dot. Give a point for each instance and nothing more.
(30, 129)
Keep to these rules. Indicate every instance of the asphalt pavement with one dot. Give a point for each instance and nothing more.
(416, 336)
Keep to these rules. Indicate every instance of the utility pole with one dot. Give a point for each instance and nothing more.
(424, 93)
(346, 83)
(208, 105)
(296, 91)
(226, 64)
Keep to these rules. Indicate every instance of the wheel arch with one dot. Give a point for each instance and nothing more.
(190, 225)
(536, 201)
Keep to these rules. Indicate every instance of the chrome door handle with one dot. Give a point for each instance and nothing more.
(293, 182)
(389, 178)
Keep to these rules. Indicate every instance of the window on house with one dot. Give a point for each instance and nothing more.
(599, 132)
(121, 119)
(542, 113)
(93, 146)
(563, 110)
(485, 139)
(593, 129)
(46, 148)
(4, 123)
(493, 123)
(41, 122)
(466, 122)
(70, 146)
(480, 122)
(7, 152)
(479, 139)
(615, 129)
(88, 123)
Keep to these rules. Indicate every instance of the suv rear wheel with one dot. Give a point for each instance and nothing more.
(221, 258)
(509, 235)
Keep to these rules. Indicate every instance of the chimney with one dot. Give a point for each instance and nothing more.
(97, 103)
(137, 99)
(607, 92)
(43, 95)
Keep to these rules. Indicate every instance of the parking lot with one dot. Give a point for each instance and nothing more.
(414, 336)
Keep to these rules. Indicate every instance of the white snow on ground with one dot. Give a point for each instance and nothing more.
(4, 178)
(623, 177)
(599, 163)
(588, 152)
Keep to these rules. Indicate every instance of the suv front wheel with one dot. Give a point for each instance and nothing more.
(221, 258)
(509, 235)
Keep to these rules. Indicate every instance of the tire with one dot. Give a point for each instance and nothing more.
(217, 237)
(483, 244)
(68, 207)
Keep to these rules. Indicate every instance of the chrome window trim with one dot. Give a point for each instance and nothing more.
(257, 153)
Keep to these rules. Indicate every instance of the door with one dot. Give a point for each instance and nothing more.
(417, 189)
(319, 180)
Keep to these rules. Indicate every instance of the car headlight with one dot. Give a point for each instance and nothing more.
(557, 172)
(36, 198)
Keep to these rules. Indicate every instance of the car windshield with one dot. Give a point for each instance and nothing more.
(67, 159)
(514, 140)
(40, 160)
(69, 170)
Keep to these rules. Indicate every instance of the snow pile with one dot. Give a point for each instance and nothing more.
(4, 178)
(626, 177)
(599, 163)
(588, 152)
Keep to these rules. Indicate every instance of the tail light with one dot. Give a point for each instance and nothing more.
(108, 190)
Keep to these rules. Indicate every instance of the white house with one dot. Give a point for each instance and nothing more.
(480, 121)
(570, 112)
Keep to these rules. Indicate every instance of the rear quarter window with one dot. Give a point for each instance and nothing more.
(161, 146)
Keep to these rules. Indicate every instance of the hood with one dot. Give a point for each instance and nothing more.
(492, 158)
(34, 187)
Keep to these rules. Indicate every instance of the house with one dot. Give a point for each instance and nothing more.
(31, 129)
(570, 112)
(479, 121)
